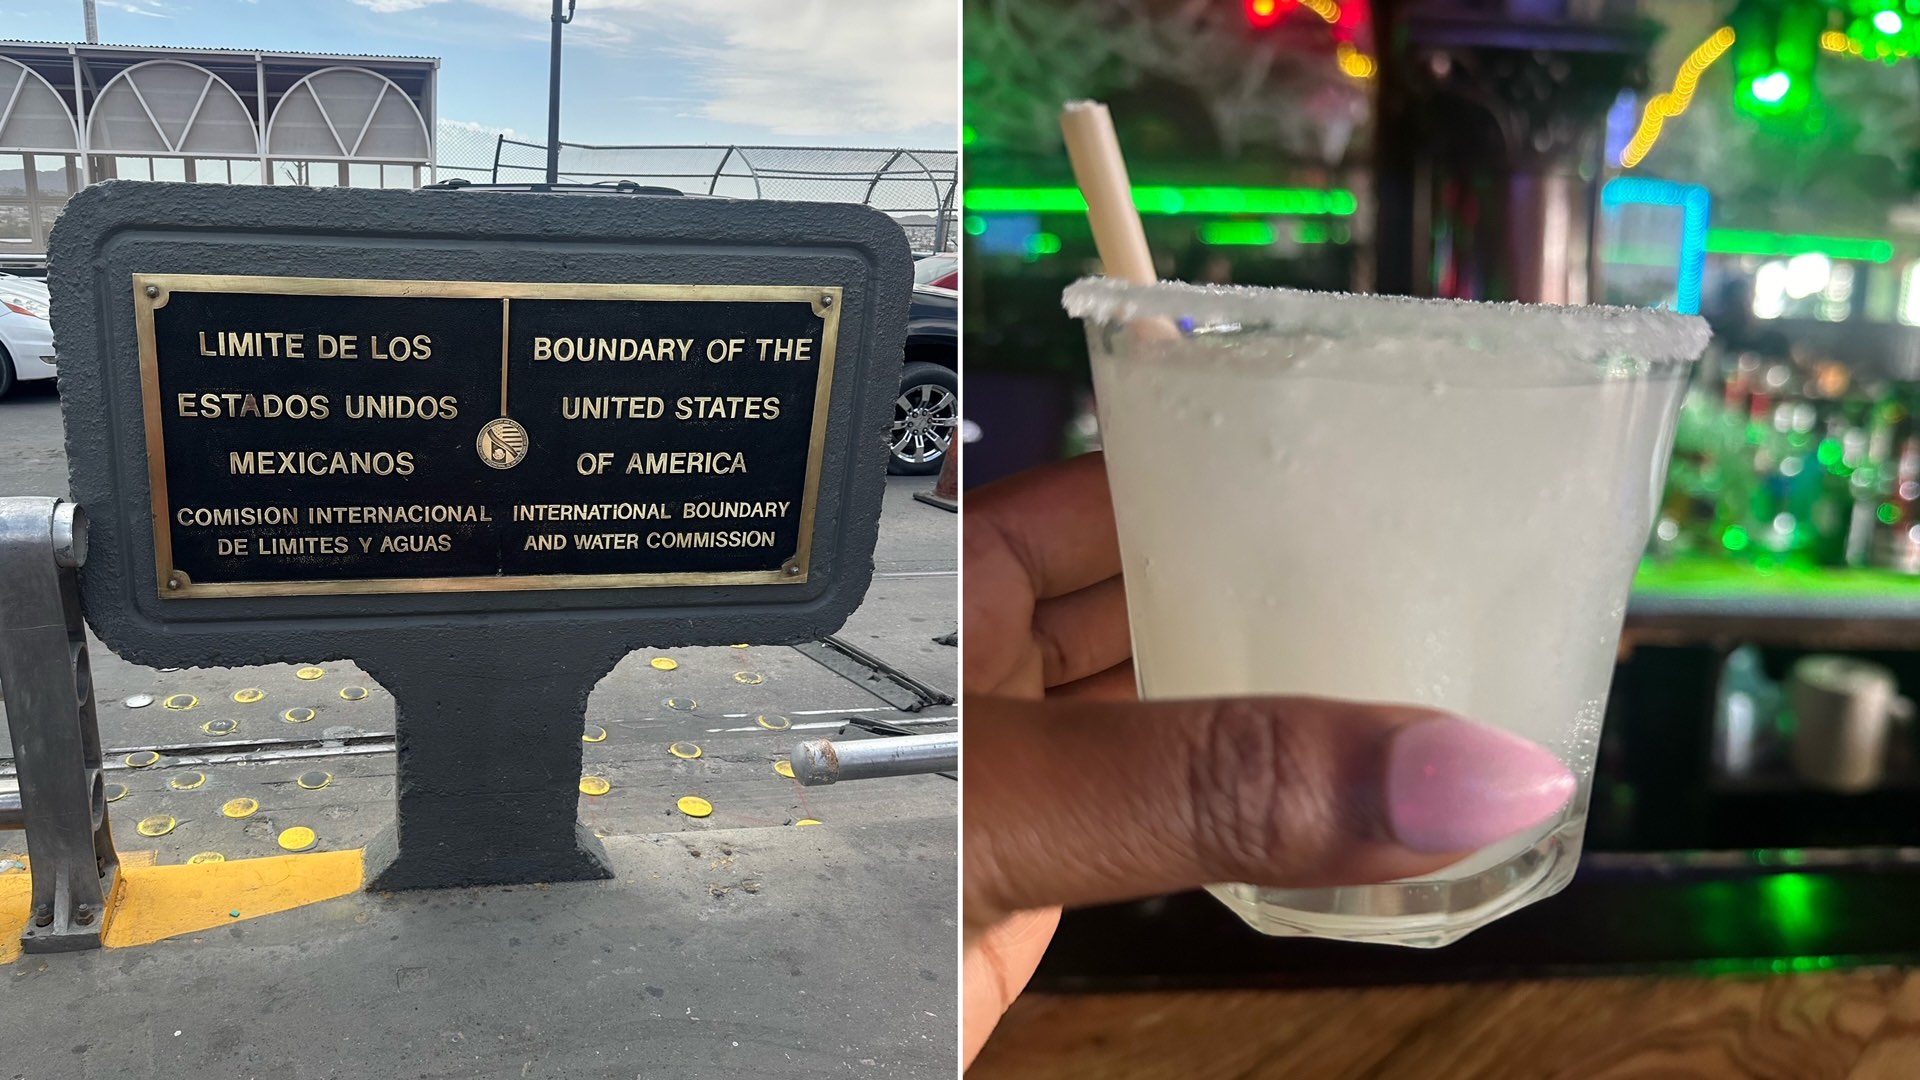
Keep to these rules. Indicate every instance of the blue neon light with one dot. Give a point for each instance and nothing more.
(1696, 207)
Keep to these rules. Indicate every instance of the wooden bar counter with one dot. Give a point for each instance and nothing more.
(1857, 1025)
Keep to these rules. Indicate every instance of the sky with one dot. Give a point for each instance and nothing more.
(791, 72)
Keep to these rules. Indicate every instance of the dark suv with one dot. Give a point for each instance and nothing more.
(926, 413)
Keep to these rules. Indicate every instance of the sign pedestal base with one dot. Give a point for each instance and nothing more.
(488, 781)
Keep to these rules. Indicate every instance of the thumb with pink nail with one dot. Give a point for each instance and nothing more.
(1074, 801)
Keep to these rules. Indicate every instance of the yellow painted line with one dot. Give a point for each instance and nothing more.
(159, 902)
(16, 903)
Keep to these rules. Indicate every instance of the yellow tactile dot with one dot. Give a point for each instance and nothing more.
(250, 695)
(808, 821)
(594, 785)
(664, 663)
(315, 779)
(594, 733)
(159, 825)
(142, 759)
(206, 857)
(298, 716)
(308, 674)
(353, 693)
(298, 838)
(116, 792)
(784, 768)
(749, 678)
(682, 704)
(694, 806)
(179, 702)
(220, 727)
(773, 721)
(187, 781)
(686, 751)
(239, 808)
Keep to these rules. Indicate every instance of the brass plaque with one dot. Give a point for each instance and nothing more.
(335, 436)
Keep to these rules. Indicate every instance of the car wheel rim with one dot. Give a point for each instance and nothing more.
(924, 417)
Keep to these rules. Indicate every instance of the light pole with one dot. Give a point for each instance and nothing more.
(93, 21)
(553, 93)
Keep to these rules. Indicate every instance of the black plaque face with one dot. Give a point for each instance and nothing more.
(321, 435)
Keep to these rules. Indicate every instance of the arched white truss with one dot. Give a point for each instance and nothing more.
(35, 117)
(347, 114)
(171, 107)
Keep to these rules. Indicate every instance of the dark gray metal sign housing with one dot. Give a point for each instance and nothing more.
(490, 681)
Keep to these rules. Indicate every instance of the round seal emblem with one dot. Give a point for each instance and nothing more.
(502, 443)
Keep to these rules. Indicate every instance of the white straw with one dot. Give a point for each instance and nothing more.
(1101, 172)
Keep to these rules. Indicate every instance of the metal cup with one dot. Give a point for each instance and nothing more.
(1844, 709)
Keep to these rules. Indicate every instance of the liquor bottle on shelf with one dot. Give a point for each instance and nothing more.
(1899, 542)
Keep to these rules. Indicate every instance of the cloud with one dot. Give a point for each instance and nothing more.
(152, 9)
(793, 67)
(814, 67)
(390, 7)
(474, 127)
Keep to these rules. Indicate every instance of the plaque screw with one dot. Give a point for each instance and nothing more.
(826, 300)
(793, 570)
(173, 583)
(153, 290)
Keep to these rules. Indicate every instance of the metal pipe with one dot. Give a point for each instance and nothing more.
(553, 93)
(823, 761)
(11, 816)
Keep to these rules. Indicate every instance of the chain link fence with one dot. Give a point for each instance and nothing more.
(917, 188)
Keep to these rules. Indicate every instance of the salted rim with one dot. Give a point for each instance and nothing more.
(1590, 332)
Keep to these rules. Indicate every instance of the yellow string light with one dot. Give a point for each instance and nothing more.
(1328, 11)
(1354, 63)
(1663, 107)
(1834, 41)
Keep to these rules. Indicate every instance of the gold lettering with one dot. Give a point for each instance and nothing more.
(319, 463)
(784, 349)
(751, 538)
(686, 463)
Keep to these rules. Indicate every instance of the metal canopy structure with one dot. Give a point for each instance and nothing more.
(71, 114)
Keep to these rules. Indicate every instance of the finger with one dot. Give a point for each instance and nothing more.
(1114, 684)
(998, 965)
(1083, 633)
(1057, 521)
(1072, 802)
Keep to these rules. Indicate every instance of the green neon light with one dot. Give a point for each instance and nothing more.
(975, 225)
(1043, 243)
(1779, 965)
(1752, 242)
(1236, 233)
(968, 136)
(1153, 199)
(1771, 88)
(1798, 905)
